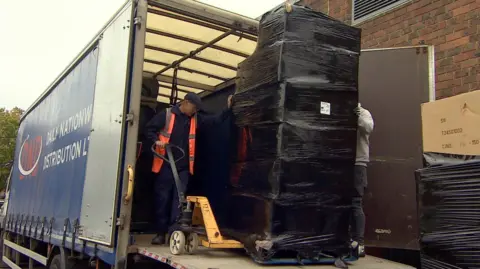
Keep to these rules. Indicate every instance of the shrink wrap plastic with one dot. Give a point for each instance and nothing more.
(295, 131)
(449, 208)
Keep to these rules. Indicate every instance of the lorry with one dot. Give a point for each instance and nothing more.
(75, 196)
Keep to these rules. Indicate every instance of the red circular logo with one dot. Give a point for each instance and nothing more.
(29, 156)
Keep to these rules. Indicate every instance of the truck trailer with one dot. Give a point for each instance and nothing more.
(74, 194)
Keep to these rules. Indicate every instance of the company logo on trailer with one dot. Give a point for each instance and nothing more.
(29, 156)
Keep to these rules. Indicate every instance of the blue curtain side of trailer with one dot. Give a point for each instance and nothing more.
(52, 150)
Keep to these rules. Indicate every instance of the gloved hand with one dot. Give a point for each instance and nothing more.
(230, 101)
(160, 144)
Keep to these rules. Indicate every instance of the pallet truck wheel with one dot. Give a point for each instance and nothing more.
(177, 243)
(192, 243)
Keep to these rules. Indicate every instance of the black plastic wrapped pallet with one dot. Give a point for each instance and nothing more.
(302, 46)
(449, 206)
(295, 136)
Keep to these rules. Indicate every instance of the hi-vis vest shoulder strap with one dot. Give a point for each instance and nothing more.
(165, 134)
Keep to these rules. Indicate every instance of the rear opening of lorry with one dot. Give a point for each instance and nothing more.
(189, 47)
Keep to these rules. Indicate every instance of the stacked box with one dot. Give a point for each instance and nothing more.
(292, 174)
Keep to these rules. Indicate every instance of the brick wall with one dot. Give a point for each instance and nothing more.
(452, 26)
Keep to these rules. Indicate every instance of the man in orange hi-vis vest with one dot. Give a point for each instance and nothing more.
(177, 126)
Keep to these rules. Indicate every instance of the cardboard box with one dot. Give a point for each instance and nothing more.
(452, 125)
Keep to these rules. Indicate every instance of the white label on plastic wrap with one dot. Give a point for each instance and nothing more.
(324, 108)
(383, 231)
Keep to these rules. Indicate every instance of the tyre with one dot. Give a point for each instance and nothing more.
(56, 262)
(177, 243)
(192, 243)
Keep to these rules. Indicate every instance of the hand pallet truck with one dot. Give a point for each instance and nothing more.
(196, 224)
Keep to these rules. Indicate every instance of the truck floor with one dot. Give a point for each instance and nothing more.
(207, 258)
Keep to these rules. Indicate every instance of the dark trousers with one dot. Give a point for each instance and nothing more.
(358, 216)
(167, 208)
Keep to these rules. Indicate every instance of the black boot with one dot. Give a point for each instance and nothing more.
(158, 240)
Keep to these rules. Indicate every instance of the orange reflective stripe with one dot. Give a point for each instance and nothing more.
(171, 123)
(191, 143)
(242, 154)
(164, 136)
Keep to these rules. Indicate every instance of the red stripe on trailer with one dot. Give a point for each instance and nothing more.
(162, 259)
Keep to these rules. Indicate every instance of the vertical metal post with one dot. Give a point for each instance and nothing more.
(30, 260)
(130, 150)
(6, 250)
(17, 254)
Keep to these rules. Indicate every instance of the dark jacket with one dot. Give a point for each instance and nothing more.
(181, 130)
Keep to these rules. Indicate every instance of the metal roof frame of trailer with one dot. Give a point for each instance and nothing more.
(204, 43)
(195, 14)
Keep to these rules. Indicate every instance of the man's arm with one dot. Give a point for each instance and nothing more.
(365, 121)
(154, 126)
(206, 121)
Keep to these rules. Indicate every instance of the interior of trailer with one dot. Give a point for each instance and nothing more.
(187, 49)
